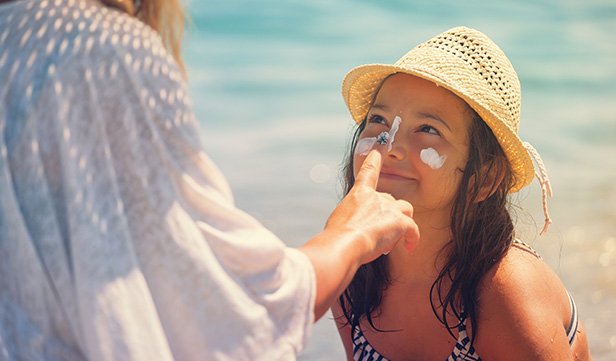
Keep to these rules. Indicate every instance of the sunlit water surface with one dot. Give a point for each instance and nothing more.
(265, 81)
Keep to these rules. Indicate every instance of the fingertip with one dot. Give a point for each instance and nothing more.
(381, 148)
(410, 246)
(371, 167)
(376, 156)
(406, 207)
(376, 153)
(411, 240)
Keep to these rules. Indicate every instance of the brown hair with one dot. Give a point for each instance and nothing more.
(164, 16)
(482, 233)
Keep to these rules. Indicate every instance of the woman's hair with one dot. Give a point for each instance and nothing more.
(164, 16)
(482, 232)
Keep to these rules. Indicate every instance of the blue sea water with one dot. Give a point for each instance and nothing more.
(265, 79)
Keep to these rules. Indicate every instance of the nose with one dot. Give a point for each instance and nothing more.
(399, 148)
(397, 152)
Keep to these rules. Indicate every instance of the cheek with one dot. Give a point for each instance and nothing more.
(451, 172)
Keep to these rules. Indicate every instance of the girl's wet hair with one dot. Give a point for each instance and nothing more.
(482, 233)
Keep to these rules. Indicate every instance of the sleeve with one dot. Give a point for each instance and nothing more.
(163, 265)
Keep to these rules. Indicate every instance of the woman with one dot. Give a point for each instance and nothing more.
(119, 239)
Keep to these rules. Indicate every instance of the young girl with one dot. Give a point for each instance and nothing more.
(470, 291)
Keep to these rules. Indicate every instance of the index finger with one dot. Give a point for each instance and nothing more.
(370, 170)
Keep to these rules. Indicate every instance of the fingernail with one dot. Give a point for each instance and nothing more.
(382, 138)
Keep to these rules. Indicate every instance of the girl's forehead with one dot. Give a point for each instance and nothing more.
(405, 91)
(410, 84)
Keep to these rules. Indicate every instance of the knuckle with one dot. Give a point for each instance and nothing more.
(388, 197)
(368, 167)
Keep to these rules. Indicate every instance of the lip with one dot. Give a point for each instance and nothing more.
(393, 175)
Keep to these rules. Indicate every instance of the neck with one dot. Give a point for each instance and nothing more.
(424, 265)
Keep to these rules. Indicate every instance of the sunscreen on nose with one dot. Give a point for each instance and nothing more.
(364, 145)
(392, 132)
(432, 158)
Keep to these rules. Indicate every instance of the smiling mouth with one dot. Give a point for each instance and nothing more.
(393, 176)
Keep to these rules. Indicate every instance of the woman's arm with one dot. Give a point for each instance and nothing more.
(363, 226)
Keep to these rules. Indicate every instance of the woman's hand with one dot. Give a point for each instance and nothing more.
(365, 225)
(382, 220)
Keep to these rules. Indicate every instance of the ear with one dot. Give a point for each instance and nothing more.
(488, 180)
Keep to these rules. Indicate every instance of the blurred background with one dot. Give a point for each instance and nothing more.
(265, 79)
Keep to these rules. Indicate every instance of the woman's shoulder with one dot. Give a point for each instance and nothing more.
(68, 36)
(80, 50)
(74, 21)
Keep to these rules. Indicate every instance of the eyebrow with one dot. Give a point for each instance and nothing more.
(380, 106)
(424, 115)
(420, 115)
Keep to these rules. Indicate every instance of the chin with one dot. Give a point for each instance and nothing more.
(394, 193)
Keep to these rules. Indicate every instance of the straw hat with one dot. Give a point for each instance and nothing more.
(470, 65)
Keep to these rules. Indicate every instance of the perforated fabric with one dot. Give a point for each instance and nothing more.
(119, 239)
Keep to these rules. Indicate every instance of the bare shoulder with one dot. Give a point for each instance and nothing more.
(523, 310)
(521, 283)
(522, 270)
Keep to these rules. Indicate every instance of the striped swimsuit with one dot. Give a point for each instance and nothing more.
(362, 351)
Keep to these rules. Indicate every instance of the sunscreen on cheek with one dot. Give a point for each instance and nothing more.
(364, 145)
(432, 158)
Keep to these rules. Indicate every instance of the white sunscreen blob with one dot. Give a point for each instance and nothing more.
(393, 131)
(432, 158)
(364, 145)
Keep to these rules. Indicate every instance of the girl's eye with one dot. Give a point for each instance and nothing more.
(375, 118)
(429, 129)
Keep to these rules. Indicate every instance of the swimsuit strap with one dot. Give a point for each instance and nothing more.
(573, 324)
(463, 349)
(362, 351)
(528, 247)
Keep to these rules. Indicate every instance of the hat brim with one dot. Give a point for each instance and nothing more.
(361, 84)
